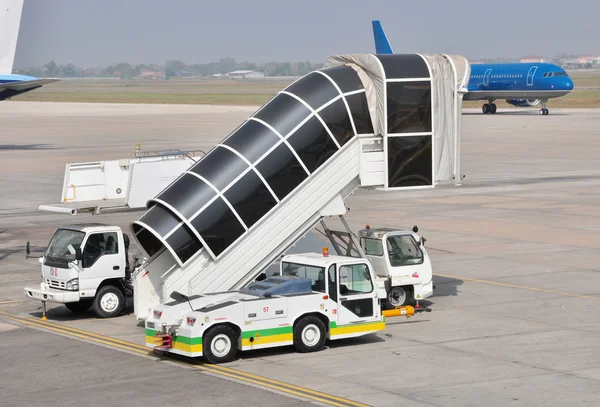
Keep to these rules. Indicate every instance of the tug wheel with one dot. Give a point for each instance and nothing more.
(219, 344)
(309, 334)
(397, 297)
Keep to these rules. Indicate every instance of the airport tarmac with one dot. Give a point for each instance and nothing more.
(515, 251)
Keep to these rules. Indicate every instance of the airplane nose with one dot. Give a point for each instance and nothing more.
(568, 85)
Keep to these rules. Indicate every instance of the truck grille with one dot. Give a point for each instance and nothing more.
(55, 284)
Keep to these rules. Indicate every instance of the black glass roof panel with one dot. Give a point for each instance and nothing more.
(282, 171)
(187, 195)
(283, 113)
(345, 77)
(315, 89)
(252, 140)
(160, 219)
(313, 144)
(220, 167)
(338, 121)
(218, 226)
(400, 66)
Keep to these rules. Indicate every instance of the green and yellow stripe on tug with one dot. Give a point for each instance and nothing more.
(263, 338)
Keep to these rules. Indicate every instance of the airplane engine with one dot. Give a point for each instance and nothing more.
(523, 102)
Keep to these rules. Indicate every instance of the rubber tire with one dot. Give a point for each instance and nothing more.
(97, 302)
(485, 108)
(299, 345)
(406, 297)
(208, 338)
(493, 108)
(79, 306)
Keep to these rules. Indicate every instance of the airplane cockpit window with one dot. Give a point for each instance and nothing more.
(560, 74)
(548, 75)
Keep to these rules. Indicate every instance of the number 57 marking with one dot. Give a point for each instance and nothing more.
(265, 309)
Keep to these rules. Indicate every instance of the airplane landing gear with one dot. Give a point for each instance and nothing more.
(543, 110)
(489, 108)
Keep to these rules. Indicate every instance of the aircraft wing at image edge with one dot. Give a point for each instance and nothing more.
(10, 84)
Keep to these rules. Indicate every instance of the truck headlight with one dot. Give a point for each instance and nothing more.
(73, 285)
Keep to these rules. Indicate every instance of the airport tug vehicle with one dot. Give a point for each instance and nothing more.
(314, 298)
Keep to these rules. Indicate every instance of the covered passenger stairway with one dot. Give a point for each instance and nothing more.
(372, 121)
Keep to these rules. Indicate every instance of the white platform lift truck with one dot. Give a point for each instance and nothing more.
(386, 122)
(87, 265)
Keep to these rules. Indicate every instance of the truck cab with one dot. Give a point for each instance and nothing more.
(400, 258)
(85, 265)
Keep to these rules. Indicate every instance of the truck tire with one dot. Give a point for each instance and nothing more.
(79, 306)
(219, 344)
(109, 302)
(309, 334)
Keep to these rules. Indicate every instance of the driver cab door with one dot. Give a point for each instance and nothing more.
(356, 294)
(102, 258)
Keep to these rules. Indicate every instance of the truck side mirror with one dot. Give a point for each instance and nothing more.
(415, 229)
(422, 241)
(78, 254)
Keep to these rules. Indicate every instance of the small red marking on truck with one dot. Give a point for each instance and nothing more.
(415, 275)
(220, 319)
(334, 311)
(53, 271)
(284, 324)
(145, 273)
(265, 309)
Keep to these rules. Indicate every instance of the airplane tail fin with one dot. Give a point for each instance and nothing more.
(10, 20)
(382, 45)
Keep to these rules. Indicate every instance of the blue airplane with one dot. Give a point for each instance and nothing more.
(520, 84)
(10, 84)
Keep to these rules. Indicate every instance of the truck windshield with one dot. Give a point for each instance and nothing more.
(58, 247)
(403, 250)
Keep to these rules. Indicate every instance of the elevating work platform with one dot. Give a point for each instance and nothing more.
(386, 122)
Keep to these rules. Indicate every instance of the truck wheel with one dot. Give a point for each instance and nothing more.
(397, 297)
(109, 302)
(309, 334)
(219, 344)
(79, 306)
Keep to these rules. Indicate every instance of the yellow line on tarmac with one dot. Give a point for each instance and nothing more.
(522, 287)
(347, 402)
(10, 302)
(58, 330)
(214, 369)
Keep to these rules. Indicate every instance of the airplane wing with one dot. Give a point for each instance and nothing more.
(12, 89)
(382, 45)
(25, 85)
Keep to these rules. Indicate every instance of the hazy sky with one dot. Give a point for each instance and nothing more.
(100, 32)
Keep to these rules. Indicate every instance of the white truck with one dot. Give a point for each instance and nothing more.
(315, 298)
(86, 266)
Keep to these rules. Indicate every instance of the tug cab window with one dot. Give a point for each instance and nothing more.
(355, 279)
(316, 274)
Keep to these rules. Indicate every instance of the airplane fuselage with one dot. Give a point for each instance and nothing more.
(517, 81)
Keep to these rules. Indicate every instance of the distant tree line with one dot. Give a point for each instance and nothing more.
(171, 68)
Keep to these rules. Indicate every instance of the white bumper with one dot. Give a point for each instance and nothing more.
(51, 295)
